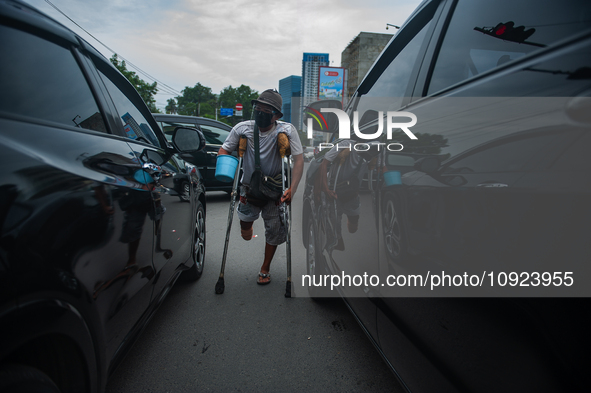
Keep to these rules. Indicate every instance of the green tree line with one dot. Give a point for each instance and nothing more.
(198, 100)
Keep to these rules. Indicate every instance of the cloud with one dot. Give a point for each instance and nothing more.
(229, 42)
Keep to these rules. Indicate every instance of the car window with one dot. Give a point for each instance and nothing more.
(168, 127)
(214, 135)
(389, 81)
(393, 82)
(41, 79)
(485, 34)
(135, 125)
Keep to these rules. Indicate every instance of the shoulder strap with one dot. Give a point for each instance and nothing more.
(257, 154)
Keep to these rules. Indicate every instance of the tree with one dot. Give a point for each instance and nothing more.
(197, 101)
(230, 96)
(145, 89)
(171, 107)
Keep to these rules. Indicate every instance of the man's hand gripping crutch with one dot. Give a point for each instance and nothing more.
(220, 285)
(285, 206)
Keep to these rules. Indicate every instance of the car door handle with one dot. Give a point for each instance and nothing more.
(212, 153)
(492, 185)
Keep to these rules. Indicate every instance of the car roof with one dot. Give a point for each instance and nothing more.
(196, 119)
(29, 15)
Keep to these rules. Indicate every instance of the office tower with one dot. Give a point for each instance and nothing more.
(289, 88)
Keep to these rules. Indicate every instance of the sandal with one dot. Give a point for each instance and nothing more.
(263, 275)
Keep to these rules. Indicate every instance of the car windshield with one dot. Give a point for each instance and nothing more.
(214, 135)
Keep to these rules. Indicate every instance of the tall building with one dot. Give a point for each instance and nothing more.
(289, 88)
(359, 56)
(310, 65)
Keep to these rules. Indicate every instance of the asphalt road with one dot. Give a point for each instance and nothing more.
(251, 338)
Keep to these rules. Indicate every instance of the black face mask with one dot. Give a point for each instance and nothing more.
(263, 119)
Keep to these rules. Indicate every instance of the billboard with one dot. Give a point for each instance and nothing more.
(331, 82)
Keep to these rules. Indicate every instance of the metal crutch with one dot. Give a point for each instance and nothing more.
(285, 151)
(220, 286)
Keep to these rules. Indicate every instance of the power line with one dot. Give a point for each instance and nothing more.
(166, 88)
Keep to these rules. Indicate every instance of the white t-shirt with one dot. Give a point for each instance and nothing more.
(269, 151)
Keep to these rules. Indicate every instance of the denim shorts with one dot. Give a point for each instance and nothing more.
(275, 233)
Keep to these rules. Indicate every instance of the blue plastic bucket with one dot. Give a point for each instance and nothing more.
(225, 168)
(392, 178)
(143, 177)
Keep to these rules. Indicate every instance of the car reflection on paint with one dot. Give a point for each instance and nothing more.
(99, 213)
(495, 185)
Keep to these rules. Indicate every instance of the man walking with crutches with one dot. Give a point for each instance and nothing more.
(262, 171)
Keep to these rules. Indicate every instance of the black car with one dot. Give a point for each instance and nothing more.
(215, 133)
(466, 257)
(96, 221)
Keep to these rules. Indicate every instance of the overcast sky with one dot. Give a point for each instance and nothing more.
(225, 42)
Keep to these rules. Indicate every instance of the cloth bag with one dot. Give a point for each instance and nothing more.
(263, 188)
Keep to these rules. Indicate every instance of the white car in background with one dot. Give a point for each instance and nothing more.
(308, 153)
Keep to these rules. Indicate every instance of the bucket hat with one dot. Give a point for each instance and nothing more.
(270, 97)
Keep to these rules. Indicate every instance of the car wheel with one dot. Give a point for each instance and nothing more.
(198, 252)
(392, 227)
(16, 378)
(315, 263)
(185, 192)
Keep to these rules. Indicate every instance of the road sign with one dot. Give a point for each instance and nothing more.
(226, 111)
(238, 107)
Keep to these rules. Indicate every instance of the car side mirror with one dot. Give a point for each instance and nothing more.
(454, 181)
(188, 140)
(428, 165)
